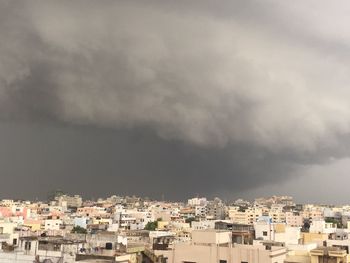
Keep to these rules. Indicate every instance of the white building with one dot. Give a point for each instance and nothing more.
(320, 226)
(52, 224)
(278, 232)
(197, 201)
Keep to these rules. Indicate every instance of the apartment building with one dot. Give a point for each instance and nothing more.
(294, 219)
(215, 246)
(278, 232)
(247, 216)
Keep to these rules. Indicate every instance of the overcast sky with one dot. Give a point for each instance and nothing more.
(175, 98)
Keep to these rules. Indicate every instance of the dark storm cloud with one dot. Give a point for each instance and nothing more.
(36, 159)
(224, 96)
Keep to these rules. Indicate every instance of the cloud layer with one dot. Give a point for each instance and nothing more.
(270, 76)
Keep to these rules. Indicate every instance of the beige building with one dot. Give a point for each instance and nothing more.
(214, 246)
(317, 255)
(277, 214)
(70, 201)
(294, 219)
(317, 238)
(328, 255)
(246, 217)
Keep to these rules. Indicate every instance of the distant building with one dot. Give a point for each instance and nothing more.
(69, 201)
(197, 201)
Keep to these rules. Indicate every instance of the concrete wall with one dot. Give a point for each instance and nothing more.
(211, 237)
(22, 258)
(213, 254)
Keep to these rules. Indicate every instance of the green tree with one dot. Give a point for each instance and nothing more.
(151, 226)
(190, 220)
(79, 230)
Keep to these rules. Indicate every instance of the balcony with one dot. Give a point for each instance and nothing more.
(339, 253)
(4, 237)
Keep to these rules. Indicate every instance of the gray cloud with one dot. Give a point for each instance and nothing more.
(248, 90)
(35, 159)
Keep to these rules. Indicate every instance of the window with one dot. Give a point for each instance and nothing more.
(244, 261)
(27, 245)
(109, 246)
(222, 261)
(56, 247)
(265, 233)
(15, 241)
